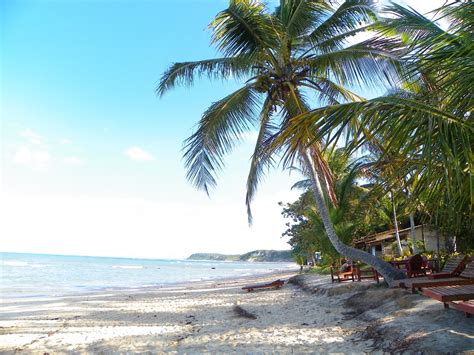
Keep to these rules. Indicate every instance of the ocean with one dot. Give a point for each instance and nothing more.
(39, 275)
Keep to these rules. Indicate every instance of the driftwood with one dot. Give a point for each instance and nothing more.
(243, 313)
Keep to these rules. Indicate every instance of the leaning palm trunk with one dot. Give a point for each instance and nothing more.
(388, 272)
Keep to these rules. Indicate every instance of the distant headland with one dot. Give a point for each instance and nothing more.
(253, 256)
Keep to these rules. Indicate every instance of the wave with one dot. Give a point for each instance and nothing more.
(15, 263)
(127, 267)
(39, 265)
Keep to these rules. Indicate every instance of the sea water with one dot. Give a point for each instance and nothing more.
(36, 275)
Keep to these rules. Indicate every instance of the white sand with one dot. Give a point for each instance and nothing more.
(199, 318)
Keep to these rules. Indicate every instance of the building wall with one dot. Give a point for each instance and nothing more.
(425, 234)
(430, 240)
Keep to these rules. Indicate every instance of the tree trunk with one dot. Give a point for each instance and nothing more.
(413, 233)
(412, 223)
(395, 224)
(385, 269)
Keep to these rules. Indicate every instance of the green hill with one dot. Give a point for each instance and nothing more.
(256, 255)
(213, 256)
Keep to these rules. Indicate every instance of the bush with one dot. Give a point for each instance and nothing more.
(320, 270)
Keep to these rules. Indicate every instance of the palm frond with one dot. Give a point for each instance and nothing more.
(349, 16)
(407, 23)
(349, 66)
(337, 42)
(244, 28)
(370, 113)
(330, 92)
(299, 16)
(260, 161)
(302, 185)
(219, 129)
(184, 74)
(441, 142)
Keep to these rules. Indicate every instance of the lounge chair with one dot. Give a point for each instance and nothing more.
(465, 278)
(450, 293)
(452, 268)
(464, 306)
(460, 297)
(276, 284)
(370, 273)
(350, 274)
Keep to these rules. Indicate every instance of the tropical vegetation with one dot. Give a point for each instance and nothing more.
(426, 124)
(301, 66)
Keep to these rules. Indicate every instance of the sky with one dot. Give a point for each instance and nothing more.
(91, 158)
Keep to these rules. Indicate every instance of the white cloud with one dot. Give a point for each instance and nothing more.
(35, 159)
(33, 137)
(73, 161)
(138, 154)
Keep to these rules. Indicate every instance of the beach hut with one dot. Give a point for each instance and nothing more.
(380, 244)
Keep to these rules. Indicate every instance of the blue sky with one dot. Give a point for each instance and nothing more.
(91, 158)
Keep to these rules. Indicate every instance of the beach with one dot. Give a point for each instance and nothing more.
(308, 315)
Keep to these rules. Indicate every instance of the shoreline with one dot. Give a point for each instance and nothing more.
(149, 288)
(66, 275)
(201, 317)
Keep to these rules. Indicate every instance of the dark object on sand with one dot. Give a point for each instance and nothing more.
(243, 313)
(276, 284)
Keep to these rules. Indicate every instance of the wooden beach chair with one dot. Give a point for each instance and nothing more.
(464, 306)
(452, 268)
(465, 278)
(450, 293)
(415, 266)
(370, 273)
(275, 284)
(351, 274)
(460, 297)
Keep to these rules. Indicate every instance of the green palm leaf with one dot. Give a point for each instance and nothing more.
(299, 16)
(219, 129)
(184, 74)
(349, 16)
(330, 92)
(260, 160)
(243, 28)
(351, 65)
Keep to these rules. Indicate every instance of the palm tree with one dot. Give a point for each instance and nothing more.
(307, 232)
(285, 56)
(361, 209)
(429, 123)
